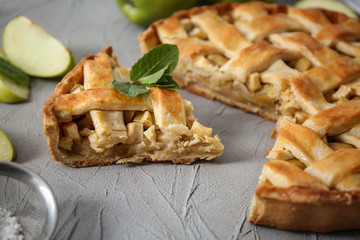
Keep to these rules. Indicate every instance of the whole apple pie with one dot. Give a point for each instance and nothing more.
(88, 122)
(300, 67)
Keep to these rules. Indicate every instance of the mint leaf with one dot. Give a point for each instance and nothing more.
(153, 69)
(160, 57)
(166, 81)
(14, 73)
(128, 89)
(153, 78)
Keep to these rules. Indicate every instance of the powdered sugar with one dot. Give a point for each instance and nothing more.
(9, 227)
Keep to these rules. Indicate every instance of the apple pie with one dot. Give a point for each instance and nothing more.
(87, 122)
(299, 67)
(272, 60)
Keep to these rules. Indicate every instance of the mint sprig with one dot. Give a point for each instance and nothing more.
(153, 70)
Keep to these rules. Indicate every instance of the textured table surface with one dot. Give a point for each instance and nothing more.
(206, 200)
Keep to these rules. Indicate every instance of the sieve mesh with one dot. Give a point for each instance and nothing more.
(24, 194)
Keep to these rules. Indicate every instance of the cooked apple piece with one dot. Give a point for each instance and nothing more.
(297, 163)
(128, 116)
(218, 59)
(190, 118)
(265, 99)
(253, 82)
(85, 132)
(197, 32)
(101, 142)
(187, 24)
(71, 130)
(107, 121)
(339, 145)
(303, 64)
(109, 129)
(200, 129)
(145, 118)
(135, 132)
(66, 143)
(77, 88)
(150, 134)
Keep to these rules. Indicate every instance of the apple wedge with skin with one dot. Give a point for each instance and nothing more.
(31, 49)
(14, 83)
(11, 92)
(8, 152)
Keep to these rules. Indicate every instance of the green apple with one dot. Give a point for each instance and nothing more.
(234, 1)
(33, 50)
(144, 12)
(14, 84)
(2, 54)
(12, 92)
(327, 4)
(7, 150)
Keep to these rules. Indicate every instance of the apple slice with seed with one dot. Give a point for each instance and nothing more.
(34, 51)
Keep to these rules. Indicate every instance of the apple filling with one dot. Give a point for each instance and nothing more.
(129, 134)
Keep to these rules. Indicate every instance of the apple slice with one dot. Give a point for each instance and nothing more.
(7, 150)
(333, 5)
(34, 51)
(2, 54)
(14, 84)
(12, 92)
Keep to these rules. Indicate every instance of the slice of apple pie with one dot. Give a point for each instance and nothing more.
(272, 60)
(312, 179)
(87, 122)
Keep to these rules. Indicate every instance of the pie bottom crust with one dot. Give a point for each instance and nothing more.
(305, 209)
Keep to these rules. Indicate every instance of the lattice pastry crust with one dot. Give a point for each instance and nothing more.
(273, 60)
(298, 66)
(87, 122)
(312, 179)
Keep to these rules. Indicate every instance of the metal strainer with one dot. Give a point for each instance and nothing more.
(30, 199)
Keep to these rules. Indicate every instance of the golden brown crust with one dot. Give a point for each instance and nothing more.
(101, 99)
(307, 210)
(334, 73)
(171, 104)
(80, 131)
(190, 47)
(335, 120)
